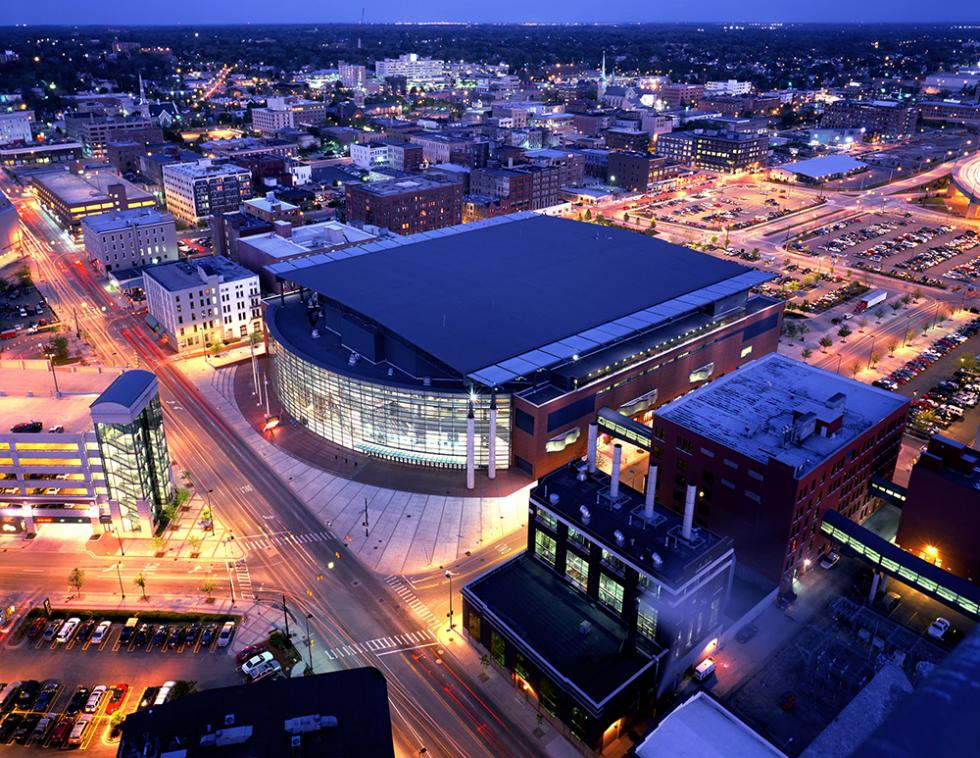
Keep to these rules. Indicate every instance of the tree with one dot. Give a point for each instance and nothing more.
(875, 357)
(807, 352)
(76, 578)
(653, 223)
(916, 294)
(168, 514)
(906, 299)
(895, 305)
(588, 214)
(826, 342)
(158, 543)
(24, 277)
(843, 332)
(626, 218)
(194, 543)
(802, 330)
(892, 346)
(968, 362)
(57, 348)
(855, 369)
(910, 335)
(140, 581)
(207, 587)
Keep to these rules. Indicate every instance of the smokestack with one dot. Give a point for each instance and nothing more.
(470, 449)
(492, 440)
(651, 492)
(593, 441)
(692, 492)
(617, 463)
(283, 228)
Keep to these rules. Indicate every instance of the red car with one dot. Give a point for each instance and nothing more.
(247, 652)
(62, 730)
(35, 628)
(116, 698)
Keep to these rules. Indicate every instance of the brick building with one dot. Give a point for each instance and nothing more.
(406, 206)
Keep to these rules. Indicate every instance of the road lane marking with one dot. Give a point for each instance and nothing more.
(406, 649)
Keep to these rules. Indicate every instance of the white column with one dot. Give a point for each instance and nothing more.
(650, 493)
(470, 449)
(617, 464)
(593, 442)
(492, 439)
(692, 492)
(874, 587)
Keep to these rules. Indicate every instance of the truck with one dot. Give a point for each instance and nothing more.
(8, 334)
(870, 300)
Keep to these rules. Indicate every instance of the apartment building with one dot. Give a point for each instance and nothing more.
(406, 206)
(196, 191)
(126, 239)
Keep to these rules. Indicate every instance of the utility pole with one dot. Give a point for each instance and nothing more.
(366, 517)
(119, 575)
(285, 616)
(309, 642)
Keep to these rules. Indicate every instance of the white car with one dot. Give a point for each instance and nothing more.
(939, 627)
(101, 632)
(830, 560)
(95, 698)
(68, 630)
(255, 661)
(226, 633)
(266, 670)
(164, 693)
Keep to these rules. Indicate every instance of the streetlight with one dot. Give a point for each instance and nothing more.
(449, 576)
(119, 575)
(309, 642)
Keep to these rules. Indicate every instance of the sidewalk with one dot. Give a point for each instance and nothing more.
(409, 532)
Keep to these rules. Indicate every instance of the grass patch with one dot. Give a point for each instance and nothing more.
(283, 650)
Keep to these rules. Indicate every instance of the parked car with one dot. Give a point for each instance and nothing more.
(26, 728)
(142, 634)
(939, 628)
(79, 730)
(46, 697)
(27, 694)
(85, 630)
(207, 636)
(176, 637)
(704, 669)
(248, 652)
(44, 727)
(891, 601)
(159, 636)
(51, 629)
(9, 726)
(164, 692)
(101, 632)
(35, 629)
(227, 632)
(77, 701)
(830, 560)
(266, 671)
(116, 697)
(128, 630)
(95, 698)
(66, 632)
(62, 730)
(10, 693)
(255, 661)
(191, 634)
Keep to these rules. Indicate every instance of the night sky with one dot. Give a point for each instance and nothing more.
(189, 12)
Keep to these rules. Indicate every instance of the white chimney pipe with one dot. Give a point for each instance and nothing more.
(651, 492)
(593, 442)
(617, 464)
(470, 449)
(692, 492)
(492, 440)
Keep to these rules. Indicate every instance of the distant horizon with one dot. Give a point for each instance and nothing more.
(117, 13)
(736, 22)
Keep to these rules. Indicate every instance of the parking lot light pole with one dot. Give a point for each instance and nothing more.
(449, 576)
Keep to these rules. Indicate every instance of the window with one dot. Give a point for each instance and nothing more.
(578, 538)
(611, 593)
(498, 648)
(545, 547)
(473, 625)
(547, 519)
(577, 569)
(752, 496)
(684, 445)
(646, 621)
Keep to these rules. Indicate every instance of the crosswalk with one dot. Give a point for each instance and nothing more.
(411, 599)
(383, 645)
(282, 539)
(244, 580)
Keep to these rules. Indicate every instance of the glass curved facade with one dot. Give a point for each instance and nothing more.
(424, 426)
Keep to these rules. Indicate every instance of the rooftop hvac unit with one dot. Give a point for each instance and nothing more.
(585, 513)
(585, 628)
(553, 498)
(619, 537)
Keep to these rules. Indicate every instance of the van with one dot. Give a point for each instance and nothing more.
(704, 669)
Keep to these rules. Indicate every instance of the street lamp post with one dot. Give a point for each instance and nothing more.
(309, 642)
(449, 576)
(871, 353)
(54, 374)
(119, 576)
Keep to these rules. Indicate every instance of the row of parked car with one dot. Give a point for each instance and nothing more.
(929, 356)
(944, 404)
(62, 631)
(28, 717)
(256, 663)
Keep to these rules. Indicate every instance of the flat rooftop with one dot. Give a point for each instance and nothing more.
(270, 205)
(545, 612)
(122, 219)
(642, 540)
(750, 410)
(182, 275)
(479, 294)
(824, 165)
(401, 186)
(91, 186)
(204, 168)
(307, 239)
(28, 395)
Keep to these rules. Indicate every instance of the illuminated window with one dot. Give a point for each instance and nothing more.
(577, 569)
(611, 592)
(545, 547)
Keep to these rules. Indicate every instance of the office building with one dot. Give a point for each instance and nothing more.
(352, 75)
(735, 106)
(228, 228)
(512, 188)
(285, 242)
(119, 240)
(619, 138)
(125, 156)
(70, 197)
(728, 152)
(96, 451)
(679, 94)
(635, 171)
(440, 147)
(270, 121)
(939, 516)
(405, 206)
(341, 713)
(418, 72)
(95, 132)
(380, 154)
(729, 87)
(771, 447)
(614, 599)
(938, 112)
(15, 126)
(40, 154)
(425, 325)
(195, 191)
(885, 119)
(570, 164)
(203, 301)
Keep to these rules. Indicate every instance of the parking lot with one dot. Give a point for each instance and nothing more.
(898, 245)
(66, 681)
(25, 318)
(732, 206)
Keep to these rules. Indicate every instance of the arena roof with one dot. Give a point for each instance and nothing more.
(523, 289)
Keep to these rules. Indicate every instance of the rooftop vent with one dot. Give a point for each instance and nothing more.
(658, 561)
(584, 512)
(229, 719)
(619, 537)
(585, 628)
(553, 498)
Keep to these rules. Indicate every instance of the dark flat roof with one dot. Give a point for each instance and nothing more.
(358, 698)
(475, 295)
(545, 613)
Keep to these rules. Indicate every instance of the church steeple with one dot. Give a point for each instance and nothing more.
(144, 106)
(602, 76)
